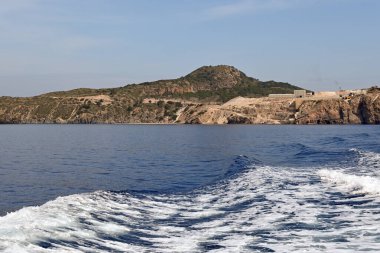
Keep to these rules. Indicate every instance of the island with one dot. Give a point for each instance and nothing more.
(209, 95)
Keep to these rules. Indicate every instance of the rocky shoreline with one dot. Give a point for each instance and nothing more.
(361, 109)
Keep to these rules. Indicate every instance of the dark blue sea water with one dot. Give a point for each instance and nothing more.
(182, 188)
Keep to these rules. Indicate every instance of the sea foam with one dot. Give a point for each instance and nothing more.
(357, 184)
(262, 209)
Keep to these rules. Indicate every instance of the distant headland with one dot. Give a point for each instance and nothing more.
(209, 95)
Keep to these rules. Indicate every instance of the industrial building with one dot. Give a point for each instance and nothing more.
(296, 94)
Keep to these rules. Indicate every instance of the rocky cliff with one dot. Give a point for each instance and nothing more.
(360, 109)
(240, 110)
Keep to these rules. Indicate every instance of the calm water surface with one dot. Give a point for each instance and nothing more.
(181, 188)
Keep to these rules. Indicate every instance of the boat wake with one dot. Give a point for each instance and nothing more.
(363, 178)
(357, 184)
(259, 209)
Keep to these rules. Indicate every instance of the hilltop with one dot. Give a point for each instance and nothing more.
(205, 84)
(149, 102)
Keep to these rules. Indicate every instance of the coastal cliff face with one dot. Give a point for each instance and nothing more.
(361, 109)
(241, 111)
(208, 95)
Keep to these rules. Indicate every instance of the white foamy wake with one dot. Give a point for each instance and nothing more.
(368, 159)
(357, 184)
(363, 178)
(265, 209)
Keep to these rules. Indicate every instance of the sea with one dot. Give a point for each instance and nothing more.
(189, 188)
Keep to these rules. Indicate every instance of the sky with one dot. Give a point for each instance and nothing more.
(50, 45)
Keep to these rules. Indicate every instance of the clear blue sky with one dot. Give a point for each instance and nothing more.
(48, 45)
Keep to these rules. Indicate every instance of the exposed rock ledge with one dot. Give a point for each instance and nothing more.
(240, 111)
(361, 109)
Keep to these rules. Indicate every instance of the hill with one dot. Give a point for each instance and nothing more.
(206, 84)
(149, 102)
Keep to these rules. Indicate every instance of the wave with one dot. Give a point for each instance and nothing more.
(363, 178)
(358, 184)
(367, 158)
(257, 209)
(333, 140)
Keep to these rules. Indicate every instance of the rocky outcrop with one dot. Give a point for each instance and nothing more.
(241, 111)
(361, 109)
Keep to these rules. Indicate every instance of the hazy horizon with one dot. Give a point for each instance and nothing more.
(316, 44)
